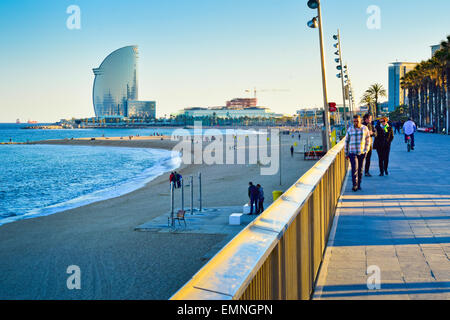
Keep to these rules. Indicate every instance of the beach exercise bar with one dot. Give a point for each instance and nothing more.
(192, 194)
(172, 202)
(200, 191)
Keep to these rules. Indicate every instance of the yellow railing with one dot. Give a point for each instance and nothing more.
(278, 255)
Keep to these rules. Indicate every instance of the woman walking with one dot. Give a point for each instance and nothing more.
(383, 140)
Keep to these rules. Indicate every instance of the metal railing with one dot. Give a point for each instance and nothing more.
(278, 255)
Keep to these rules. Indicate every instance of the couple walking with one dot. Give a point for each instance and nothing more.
(256, 195)
(358, 146)
(176, 178)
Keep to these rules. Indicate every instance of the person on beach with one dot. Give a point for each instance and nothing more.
(179, 178)
(383, 140)
(357, 142)
(260, 199)
(292, 151)
(175, 179)
(171, 177)
(373, 134)
(253, 194)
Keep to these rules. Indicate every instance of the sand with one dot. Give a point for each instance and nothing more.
(117, 262)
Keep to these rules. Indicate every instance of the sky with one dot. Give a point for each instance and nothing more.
(201, 53)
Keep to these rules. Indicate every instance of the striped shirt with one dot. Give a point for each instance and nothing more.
(357, 141)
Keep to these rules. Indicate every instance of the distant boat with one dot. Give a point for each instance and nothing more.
(17, 121)
(32, 121)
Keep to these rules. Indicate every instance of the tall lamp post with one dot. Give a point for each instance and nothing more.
(340, 67)
(316, 22)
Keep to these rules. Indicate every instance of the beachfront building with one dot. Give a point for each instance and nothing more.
(141, 109)
(234, 109)
(224, 112)
(310, 117)
(397, 95)
(242, 103)
(115, 90)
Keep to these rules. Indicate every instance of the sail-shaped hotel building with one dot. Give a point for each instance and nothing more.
(115, 91)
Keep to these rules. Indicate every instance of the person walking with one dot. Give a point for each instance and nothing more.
(175, 179)
(385, 135)
(292, 151)
(253, 194)
(172, 177)
(357, 142)
(373, 134)
(260, 199)
(409, 128)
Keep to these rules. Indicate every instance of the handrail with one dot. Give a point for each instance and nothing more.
(278, 255)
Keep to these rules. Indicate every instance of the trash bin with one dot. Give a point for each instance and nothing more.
(276, 194)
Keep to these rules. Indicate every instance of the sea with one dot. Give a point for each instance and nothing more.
(39, 180)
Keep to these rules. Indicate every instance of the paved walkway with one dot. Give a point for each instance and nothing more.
(399, 224)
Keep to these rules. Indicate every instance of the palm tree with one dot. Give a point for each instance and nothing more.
(375, 91)
(368, 101)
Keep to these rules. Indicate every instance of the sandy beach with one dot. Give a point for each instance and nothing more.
(117, 262)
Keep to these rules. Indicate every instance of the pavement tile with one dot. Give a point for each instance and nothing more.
(400, 225)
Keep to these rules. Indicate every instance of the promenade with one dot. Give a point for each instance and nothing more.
(398, 223)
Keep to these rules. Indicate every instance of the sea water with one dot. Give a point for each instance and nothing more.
(38, 180)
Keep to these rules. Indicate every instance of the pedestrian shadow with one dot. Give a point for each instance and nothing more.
(361, 290)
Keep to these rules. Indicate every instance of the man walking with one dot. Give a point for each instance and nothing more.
(373, 134)
(409, 128)
(260, 199)
(292, 151)
(253, 194)
(385, 135)
(357, 142)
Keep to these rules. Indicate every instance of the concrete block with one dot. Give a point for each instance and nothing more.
(235, 219)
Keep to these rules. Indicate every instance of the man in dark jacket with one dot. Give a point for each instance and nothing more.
(383, 140)
(373, 134)
(253, 194)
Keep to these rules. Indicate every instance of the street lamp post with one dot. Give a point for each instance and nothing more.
(341, 68)
(316, 22)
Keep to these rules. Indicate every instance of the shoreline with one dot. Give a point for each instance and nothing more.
(140, 180)
(116, 261)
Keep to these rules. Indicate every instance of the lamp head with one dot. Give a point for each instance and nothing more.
(313, 4)
(313, 23)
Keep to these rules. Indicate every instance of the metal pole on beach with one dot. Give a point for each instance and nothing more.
(172, 198)
(182, 194)
(279, 154)
(192, 195)
(200, 191)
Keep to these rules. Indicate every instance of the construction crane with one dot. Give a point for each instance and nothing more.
(265, 90)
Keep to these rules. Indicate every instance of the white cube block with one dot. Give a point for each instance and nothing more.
(246, 209)
(235, 219)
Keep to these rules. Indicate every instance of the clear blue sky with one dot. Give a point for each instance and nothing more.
(202, 52)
